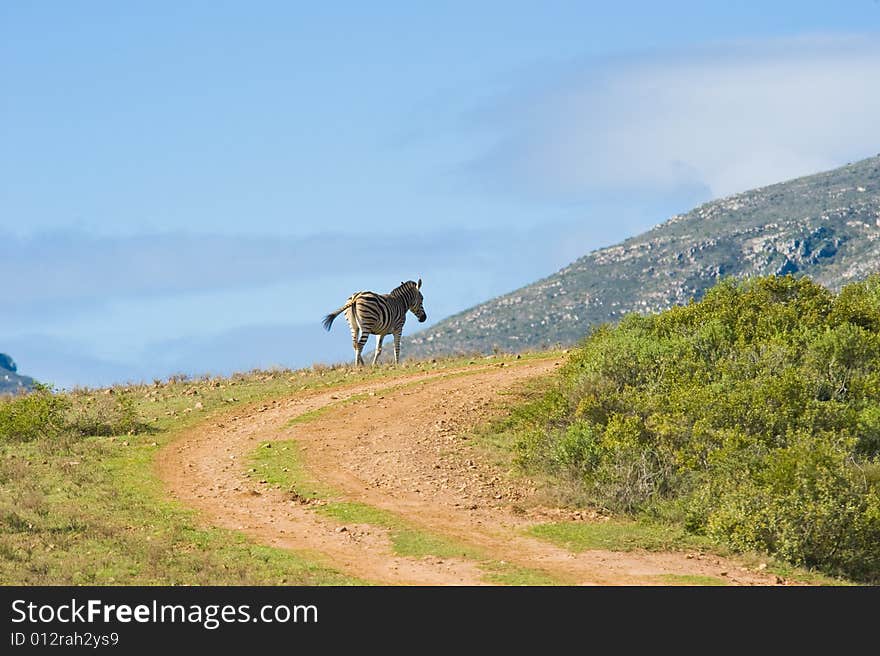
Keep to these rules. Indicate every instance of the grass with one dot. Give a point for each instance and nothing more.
(504, 573)
(618, 535)
(690, 579)
(104, 521)
(412, 542)
(280, 465)
(406, 539)
(627, 535)
(85, 509)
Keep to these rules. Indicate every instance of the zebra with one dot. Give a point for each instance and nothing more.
(369, 313)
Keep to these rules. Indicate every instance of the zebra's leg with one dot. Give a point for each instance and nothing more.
(359, 347)
(355, 333)
(378, 352)
(396, 348)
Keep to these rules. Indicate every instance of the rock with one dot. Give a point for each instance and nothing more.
(342, 529)
(7, 363)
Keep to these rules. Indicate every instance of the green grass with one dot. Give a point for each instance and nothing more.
(311, 415)
(417, 543)
(413, 542)
(627, 535)
(407, 539)
(355, 512)
(504, 573)
(80, 509)
(617, 535)
(691, 579)
(279, 464)
(105, 521)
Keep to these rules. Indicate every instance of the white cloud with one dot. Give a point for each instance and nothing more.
(725, 118)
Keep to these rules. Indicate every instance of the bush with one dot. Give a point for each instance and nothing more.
(103, 414)
(751, 416)
(31, 416)
(44, 414)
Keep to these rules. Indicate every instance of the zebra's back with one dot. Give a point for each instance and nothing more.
(377, 314)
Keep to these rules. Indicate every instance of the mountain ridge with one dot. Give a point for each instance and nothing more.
(11, 382)
(825, 225)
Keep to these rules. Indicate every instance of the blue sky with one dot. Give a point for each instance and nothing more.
(190, 186)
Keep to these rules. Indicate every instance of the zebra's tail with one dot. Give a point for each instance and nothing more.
(328, 320)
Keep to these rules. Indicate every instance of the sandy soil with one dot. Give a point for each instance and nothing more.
(402, 446)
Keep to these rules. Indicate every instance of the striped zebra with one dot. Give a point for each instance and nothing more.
(369, 313)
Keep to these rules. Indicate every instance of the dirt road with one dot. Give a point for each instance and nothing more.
(399, 445)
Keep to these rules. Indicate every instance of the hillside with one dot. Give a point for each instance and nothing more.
(825, 225)
(11, 381)
(261, 497)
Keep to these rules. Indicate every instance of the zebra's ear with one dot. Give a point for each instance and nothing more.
(419, 284)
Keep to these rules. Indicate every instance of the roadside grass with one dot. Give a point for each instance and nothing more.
(412, 542)
(618, 535)
(279, 464)
(504, 573)
(691, 579)
(80, 503)
(406, 539)
(629, 535)
(104, 521)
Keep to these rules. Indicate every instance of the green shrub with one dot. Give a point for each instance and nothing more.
(808, 505)
(63, 417)
(752, 416)
(31, 416)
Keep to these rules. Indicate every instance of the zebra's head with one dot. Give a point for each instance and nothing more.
(415, 299)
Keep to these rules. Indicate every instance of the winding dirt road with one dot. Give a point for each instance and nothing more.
(401, 446)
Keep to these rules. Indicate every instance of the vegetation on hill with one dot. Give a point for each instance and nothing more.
(826, 226)
(750, 417)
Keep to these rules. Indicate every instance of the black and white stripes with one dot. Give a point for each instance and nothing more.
(369, 313)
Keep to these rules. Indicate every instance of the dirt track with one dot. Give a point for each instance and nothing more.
(400, 448)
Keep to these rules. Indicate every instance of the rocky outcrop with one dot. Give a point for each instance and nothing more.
(11, 381)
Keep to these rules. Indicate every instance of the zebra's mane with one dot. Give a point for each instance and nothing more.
(400, 290)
